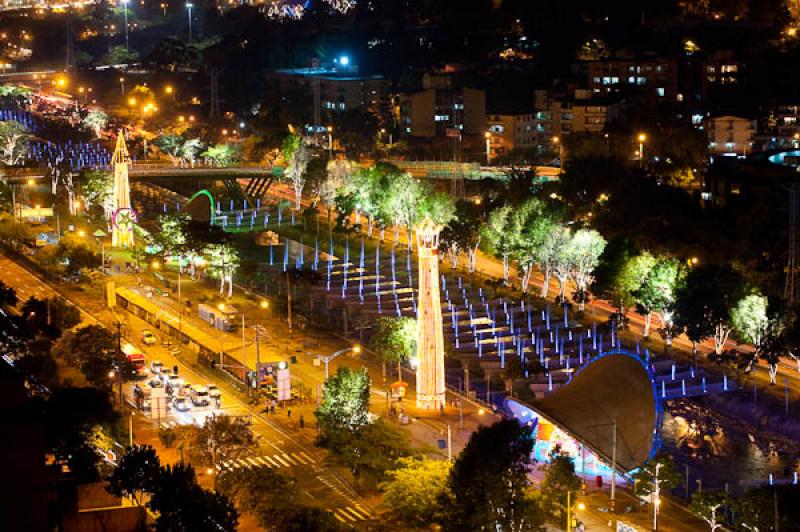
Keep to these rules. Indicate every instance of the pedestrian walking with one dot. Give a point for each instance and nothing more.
(302, 422)
(289, 412)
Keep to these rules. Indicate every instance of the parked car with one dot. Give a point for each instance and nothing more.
(181, 403)
(148, 337)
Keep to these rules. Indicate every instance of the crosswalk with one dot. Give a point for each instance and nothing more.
(351, 514)
(274, 461)
(169, 424)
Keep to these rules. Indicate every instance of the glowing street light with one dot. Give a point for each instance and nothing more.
(326, 359)
(125, 12)
(189, 6)
(642, 138)
(488, 137)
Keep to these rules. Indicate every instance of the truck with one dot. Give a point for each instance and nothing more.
(135, 358)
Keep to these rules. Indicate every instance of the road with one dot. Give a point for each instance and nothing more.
(278, 447)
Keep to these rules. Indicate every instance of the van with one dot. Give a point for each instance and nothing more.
(199, 395)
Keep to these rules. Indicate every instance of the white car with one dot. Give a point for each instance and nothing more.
(148, 337)
(156, 366)
(181, 404)
(199, 395)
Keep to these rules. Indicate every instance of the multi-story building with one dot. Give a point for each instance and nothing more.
(335, 88)
(557, 114)
(656, 78)
(779, 128)
(507, 132)
(730, 135)
(441, 109)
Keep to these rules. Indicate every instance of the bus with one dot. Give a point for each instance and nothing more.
(135, 358)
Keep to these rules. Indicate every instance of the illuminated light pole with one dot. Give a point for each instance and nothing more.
(430, 337)
(656, 496)
(125, 13)
(355, 349)
(330, 140)
(642, 138)
(189, 6)
(488, 137)
(557, 141)
(122, 86)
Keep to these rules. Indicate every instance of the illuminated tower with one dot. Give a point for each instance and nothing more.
(430, 338)
(123, 217)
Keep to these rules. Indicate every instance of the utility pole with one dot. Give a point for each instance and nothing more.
(120, 365)
(612, 503)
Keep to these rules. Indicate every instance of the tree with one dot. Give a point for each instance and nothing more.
(183, 506)
(172, 54)
(345, 405)
(414, 490)
(395, 340)
(14, 138)
(222, 154)
(170, 145)
(585, 249)
(8, 296)
(750, 319)
(559, 478)
(489, 487)
(528, 227)
(621, 273)
(704, 303)
(464, 232)
(369, 451)
(755, 509)
(296, 154)
(189, 151)
(220, 439)
(496, 235)
(97, 187)
(657, 293)
(660, 470)
(96, 120)
(223, 261)
(556, 259)
(136, 474)
(401, 200)
(708, 506)
(50, 316)
(120, 55)
(93, 350)
(337, 174)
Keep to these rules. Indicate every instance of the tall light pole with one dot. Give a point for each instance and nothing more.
(656, 496)
(557, 142)
(488, 137)
(189, 6)
(355, 349)
(125, 14)
(330, 141)
(642, 138)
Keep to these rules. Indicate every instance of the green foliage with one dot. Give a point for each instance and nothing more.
(658, 288)
(369, 451)
(96, 120)
(183, 506)
(223, 259)
(219, 439)
(50, 316)
(77, 254)
(222, 154)
(395, 339)
(345, 406)
(497, 234)
(97, 187)
(136, 473)
(173, 54)
(489, 485)
(559, 478)
(8, 296)
(271, 496)
(709, 506)
(413, 491)
(755, 508)
(750, 319)
(437, 207)
(668, 476)
(14, 142)
(119, 55)
(93, 350)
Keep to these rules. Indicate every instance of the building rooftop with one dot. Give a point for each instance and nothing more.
(329, 73)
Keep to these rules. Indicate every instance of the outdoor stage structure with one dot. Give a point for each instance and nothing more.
(608, 417)
(123, 217)
(430, 336)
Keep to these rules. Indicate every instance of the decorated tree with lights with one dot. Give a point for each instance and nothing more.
(14, 142)
(297, 155)
(223, 261)
(658, 294)
(585, 249)
(496, 234)
(464, 232)
(96, 120)
(337, 174)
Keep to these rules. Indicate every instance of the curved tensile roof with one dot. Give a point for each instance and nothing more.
(614, 386)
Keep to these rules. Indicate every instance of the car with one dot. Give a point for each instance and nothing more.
(199, 395)
(148, 337)
(156, 366)
(165, 374)
(181, 403)
(175, 382)
(155, 382)
(213, 391)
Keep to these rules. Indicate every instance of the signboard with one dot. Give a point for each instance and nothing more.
(36, 212)
(284, 385)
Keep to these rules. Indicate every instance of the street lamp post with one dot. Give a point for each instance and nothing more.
(488, 137)
(355, 349)
(656, 496)
(189, 6)
(125, 14)
(642, 138)
(122, 86)
(557, 142)
(330, 140)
